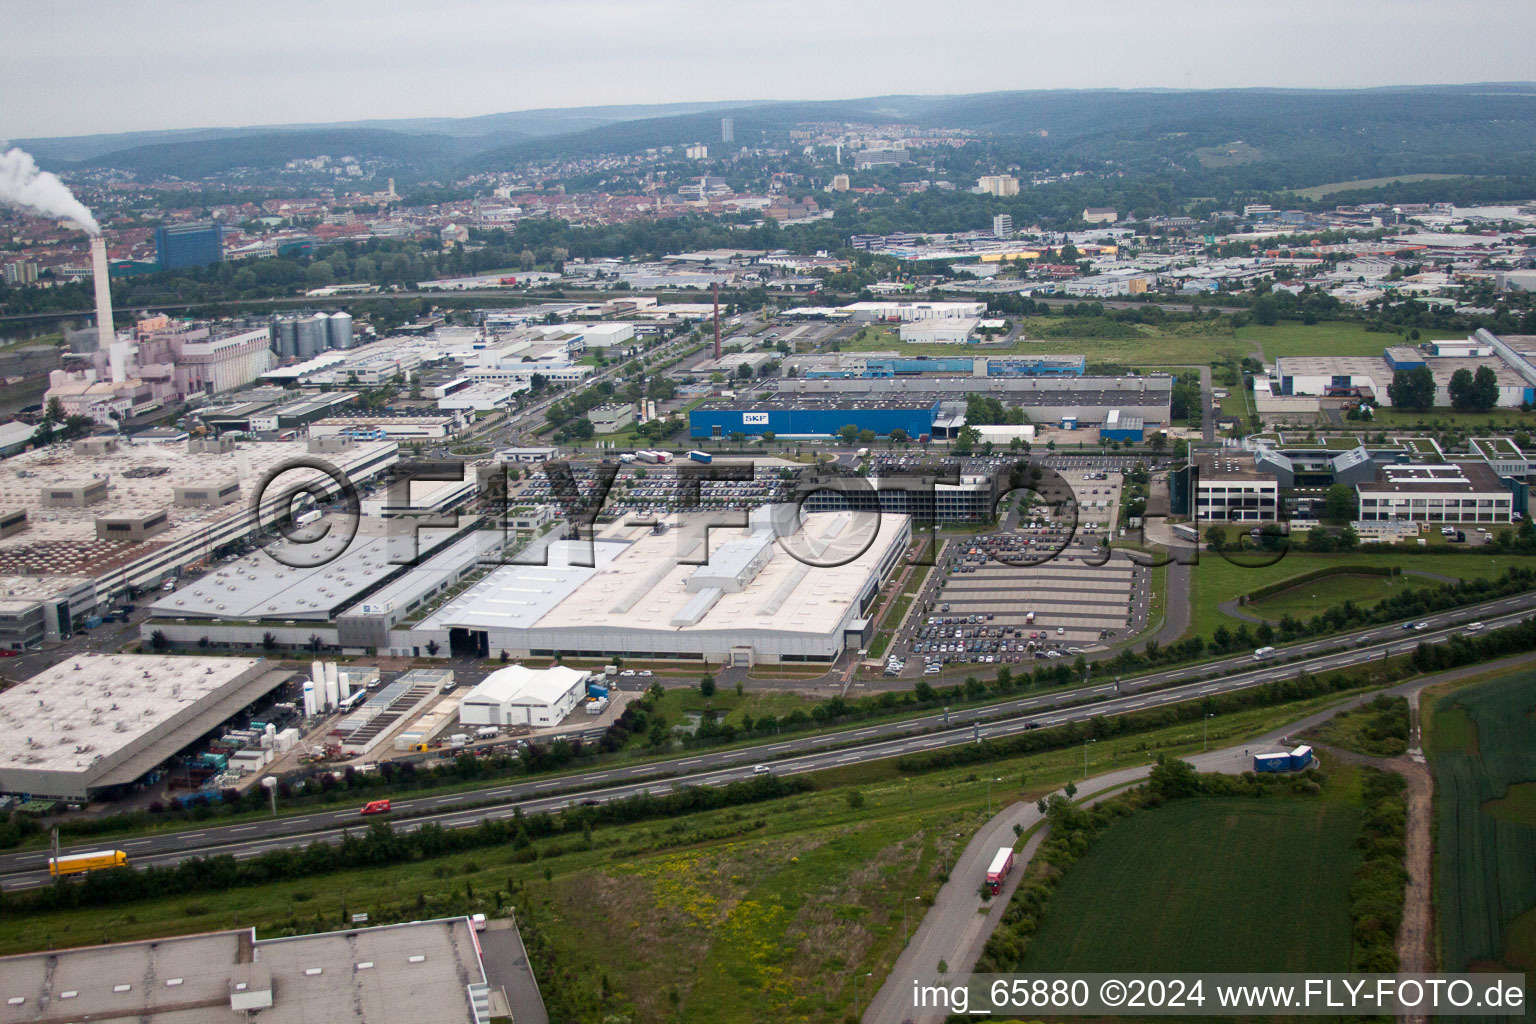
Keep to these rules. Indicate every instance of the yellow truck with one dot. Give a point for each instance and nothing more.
(79, 863)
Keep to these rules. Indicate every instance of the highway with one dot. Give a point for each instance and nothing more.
(28, 869)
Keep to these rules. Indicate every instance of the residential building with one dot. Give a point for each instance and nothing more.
(22, 273)
(1002, 225)
(1101, 215)
(1002, 185)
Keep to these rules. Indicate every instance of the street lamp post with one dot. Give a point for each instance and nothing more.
(1204, 733)
(989, 795)
(1085, 756)
(906, 936)
(856, 978)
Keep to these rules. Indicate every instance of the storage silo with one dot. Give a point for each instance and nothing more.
(339, 330)
(313, 336)
(285, 337)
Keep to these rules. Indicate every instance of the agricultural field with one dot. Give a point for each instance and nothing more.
(1209, 884)
(1482, 746)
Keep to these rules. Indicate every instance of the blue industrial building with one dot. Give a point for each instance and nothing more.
(962, 366)
(180, 246)
(1036, 366)
(1404, 357)
(1123, 428)
(812, 421)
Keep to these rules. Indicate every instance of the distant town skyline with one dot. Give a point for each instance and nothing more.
(93, 66)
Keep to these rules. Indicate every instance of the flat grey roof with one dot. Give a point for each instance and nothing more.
(517, 596)
(260, 587)
(416, 973)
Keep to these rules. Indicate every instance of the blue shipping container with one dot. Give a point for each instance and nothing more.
(1300, 758)
(1275, 761)
(593, 690)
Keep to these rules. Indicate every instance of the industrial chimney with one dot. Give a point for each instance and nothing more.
(105, 334)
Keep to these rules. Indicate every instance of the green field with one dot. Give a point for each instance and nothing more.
(1319, 191)
(1329, 338)
(1483, 753)
(1216, 580)
(1476, 424)
(1238, 404)
(1177, 344)
(1208, 884)
(1301, 603)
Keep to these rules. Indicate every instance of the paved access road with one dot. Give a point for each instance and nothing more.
(28, 869)
(952, 930)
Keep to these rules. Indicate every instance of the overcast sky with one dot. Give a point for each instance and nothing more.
(75, 67)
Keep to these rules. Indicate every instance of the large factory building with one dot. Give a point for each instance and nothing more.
(96, 722)
(777, 592)
(933, 406)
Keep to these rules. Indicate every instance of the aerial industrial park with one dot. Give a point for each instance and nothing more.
(813, 560)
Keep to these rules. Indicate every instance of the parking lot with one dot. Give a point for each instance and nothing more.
(1036, 590)
(641, 489)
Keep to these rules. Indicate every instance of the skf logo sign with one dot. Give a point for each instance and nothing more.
(754, 418)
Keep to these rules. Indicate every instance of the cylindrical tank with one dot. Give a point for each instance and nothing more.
(339, 330)
(343, 685)
(313, 336)
(317, 672)
(309, 698)
(285, 337)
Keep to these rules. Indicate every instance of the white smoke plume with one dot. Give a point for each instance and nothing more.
(23, 184)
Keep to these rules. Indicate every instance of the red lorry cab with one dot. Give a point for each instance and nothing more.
(376, 807)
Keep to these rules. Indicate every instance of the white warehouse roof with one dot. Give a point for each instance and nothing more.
(518, 684)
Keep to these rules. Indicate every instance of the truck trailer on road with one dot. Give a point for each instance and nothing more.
(80, 863)
(997, 874)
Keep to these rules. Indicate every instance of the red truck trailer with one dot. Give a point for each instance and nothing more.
(997, 874)
(1002, 863)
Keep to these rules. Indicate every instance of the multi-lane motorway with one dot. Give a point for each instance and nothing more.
(27, 869)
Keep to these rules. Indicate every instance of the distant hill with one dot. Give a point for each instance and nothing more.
(1263, 139)
(496, 129)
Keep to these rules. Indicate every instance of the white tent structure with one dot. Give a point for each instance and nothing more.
(524, 696)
